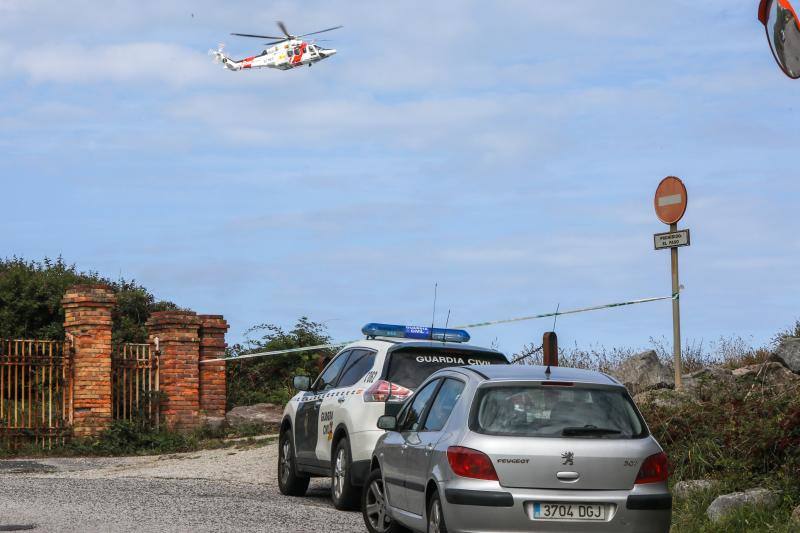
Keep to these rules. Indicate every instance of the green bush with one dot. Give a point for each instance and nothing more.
(268, 379)
(126, 437)
(743, 436)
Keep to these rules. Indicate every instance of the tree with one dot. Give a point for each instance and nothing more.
(31, 292)
(268, 379)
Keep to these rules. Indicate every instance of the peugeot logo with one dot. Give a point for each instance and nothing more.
(569, 458)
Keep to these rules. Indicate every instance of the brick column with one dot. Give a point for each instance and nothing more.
(87, 318)
(212, 375)
(179, 342)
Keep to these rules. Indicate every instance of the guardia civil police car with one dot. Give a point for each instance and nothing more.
(330, 427)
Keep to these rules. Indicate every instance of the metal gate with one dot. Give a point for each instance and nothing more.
(35, 391)
(134, 385)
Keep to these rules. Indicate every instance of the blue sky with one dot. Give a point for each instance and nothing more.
(508, 151)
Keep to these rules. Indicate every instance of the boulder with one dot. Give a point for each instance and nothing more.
(668, 398)
(706, 380)
(684, 489)
(259, 414)
(795, 520)
(788, 353)
(723, 505)
(642, 372)
(214, 422)
(770, 374)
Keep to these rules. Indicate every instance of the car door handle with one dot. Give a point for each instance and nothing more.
(428, 449)
(403, 446)
(341, 400)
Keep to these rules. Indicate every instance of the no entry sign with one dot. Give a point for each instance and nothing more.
(670, 200)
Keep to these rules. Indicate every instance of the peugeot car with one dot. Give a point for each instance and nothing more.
(517, 448)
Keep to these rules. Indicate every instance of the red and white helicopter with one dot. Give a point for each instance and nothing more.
(284, 53)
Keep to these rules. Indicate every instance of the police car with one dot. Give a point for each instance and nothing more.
(329, 428)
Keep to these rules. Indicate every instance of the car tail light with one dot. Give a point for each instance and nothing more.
(654, 469)
(386, 391)
(466, 462)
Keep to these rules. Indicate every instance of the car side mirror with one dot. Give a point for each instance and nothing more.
(301, 383)
(387, 422)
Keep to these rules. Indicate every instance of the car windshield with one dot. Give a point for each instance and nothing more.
(556, 411)
(411, 366)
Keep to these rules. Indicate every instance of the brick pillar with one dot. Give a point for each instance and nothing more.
(179, 379)
(212, 375)
(87, 318)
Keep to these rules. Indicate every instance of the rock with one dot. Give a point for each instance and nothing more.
(795, 520)
(258, 414)
(727, 503)
(770, 374)
(684, 489)
(642, 372)
(668, 398)
(706, 380)
(214, 422)
(788, 353)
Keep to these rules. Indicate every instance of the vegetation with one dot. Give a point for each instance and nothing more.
(743, 436)
(125, 437)
(269, 379)
(31, 292)
(726, 352)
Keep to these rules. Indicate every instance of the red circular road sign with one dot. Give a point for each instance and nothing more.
(670, 200)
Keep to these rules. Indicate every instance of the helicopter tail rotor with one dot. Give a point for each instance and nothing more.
(220, 57)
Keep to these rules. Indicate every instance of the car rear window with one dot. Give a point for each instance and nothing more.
(556, 411)
(409, 367)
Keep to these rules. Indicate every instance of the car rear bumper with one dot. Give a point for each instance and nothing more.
(642, 509)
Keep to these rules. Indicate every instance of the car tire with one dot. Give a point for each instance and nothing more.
(435, 515)
(373, 506)
(344, 494)
(290, 482)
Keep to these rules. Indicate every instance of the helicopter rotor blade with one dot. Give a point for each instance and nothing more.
(257, 36)
(282, 26)
(321, 31)
(276, 42)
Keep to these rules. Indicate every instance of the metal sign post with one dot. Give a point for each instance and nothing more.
(676, 312)
(670, 204)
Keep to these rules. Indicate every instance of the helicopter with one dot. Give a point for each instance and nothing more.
(282, 53)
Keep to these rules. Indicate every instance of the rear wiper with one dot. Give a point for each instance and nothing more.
(588, 430)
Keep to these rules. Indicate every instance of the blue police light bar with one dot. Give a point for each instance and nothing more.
(415, 332)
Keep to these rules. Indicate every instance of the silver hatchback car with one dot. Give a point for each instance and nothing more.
(517, 448)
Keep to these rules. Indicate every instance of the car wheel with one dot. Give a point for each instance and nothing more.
(343, 493)
(435, 516)
(373, 506)
(289, 482)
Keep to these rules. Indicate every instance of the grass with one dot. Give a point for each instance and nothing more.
(744, 436)
(689, 516)
(129, 438)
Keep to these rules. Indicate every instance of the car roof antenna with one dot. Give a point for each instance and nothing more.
(446, 323)
(433, 318)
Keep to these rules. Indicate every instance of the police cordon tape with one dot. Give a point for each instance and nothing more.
(475, 325)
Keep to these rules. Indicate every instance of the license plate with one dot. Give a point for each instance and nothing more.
(568, 511)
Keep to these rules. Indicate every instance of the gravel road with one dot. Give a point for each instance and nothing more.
(213, 490)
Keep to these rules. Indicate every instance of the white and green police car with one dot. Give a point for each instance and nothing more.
(329, 428)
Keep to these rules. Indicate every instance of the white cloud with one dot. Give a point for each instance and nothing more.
(121, 63)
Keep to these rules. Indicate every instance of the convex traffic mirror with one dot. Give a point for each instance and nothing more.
(783, 33)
